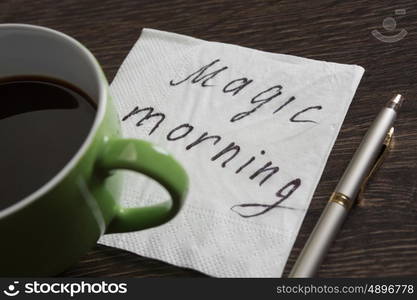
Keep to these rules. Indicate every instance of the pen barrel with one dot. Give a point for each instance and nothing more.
(319, 241)
(345, 193)
(366, 154)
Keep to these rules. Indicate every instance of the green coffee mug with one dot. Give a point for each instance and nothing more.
(46, 232)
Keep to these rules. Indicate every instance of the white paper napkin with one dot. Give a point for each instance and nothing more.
(252, 129)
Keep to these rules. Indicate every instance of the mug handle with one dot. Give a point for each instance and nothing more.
(145, 158)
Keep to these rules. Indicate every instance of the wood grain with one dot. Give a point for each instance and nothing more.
(379, 237)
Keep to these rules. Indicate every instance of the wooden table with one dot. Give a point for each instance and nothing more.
(379, 237)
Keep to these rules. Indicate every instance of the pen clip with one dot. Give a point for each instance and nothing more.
(386, 146)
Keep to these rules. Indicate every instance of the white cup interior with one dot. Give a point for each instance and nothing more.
(33, 50)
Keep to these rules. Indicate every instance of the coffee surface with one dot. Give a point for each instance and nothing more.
(43, 122)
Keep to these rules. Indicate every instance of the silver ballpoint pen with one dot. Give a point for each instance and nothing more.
(363, 163)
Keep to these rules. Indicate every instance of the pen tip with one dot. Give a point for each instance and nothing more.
(398, 99)
(395, 102)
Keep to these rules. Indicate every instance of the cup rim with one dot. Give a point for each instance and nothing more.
(101, 105)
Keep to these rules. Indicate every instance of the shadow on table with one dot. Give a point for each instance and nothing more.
(104, 261)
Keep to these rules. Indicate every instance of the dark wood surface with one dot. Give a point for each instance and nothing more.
(379, 237)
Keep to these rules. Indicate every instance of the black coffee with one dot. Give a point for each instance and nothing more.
(43, 122)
